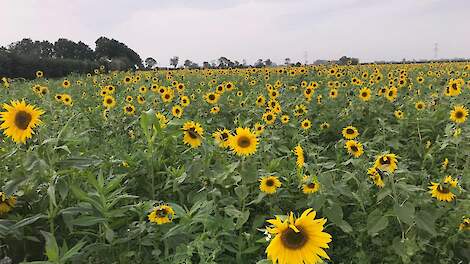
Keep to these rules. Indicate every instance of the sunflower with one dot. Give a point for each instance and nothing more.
(269, 117)
(259, 129)
(39, 74)
(269, 184)
(309, 185)
(215, 109)
(459, 114)
(244, 142)
(167, 96)
(221, 137)
(58, 97)
(465, 224)
(260, 101)
(19, 120)
(140, 99)
(177, 111)
(109, 102)
(67, 99)
(162, 214)
(192, 134)
(66, 83)
(324, 125)
(6, 203)
(386, 162)
(399, 114)
(129, 99)
(420, 105)
(333, 93)
(391, 94)
(300, 158)
(298, 241)
(211, 98)
(284, 119)
(350, 132)
(354, 148)
(442, 191)
(129, 109)
(364, 94)
(220, 89)
(143, 89)
(184, 101)
(375, 176)
(162, 120)
(306, 124)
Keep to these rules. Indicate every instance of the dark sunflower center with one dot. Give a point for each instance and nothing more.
(192, 133)
(390, 93)
(129, 109)
(354, 149)
(311, 185)
(167, 96)
(244, 142)
(384, 161)
(459, 114)
(22, 120)
(229, 85)
(294, 240)
(269, 183)
(161, 212)
(109, 101)
(443, 189)
(269, 117)
(364, 94)
(454, 86)
(224, 136)
(305, 124)
(211, 97)
(350, 131)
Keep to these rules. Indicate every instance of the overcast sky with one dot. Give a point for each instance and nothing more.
(250, 29)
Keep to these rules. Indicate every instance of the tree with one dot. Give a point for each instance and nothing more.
(150, 63)
(174, 61)
(268, 63)
(206, 65)
(287, 61)
(112, 49)
(259, 63)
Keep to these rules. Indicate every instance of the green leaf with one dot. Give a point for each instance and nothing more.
(334, 213)
(241, 191)
(425, 221)
(405, 213)
(86, 220)
(27, 221)
(52, 249)
(376, 222)
(74, 251)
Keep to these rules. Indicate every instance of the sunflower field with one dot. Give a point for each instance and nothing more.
(288, 165)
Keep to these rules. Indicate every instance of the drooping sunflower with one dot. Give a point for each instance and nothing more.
(375, 176)
(459, 114)
(387, 162)
(6, 203)
(260, 101)
(244, 142)
(350, 132)
(177, 111)
(465, 224)
(354, 148)
(221, 137)
(109, 102)
(364, 94)
(162, 120)
(298, 241)
(324, 125)
(306, 124)
(300, 158)
(310, 185)
(162, 214)
(269, 184)
(442, 191)
(192, 134)
(19, 120)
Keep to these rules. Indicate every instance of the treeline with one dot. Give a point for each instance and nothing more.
(23, 58)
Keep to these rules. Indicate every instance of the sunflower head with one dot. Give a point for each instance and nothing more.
(350, 132)
(299, 153)
(459, 114)
(193, 133)
(298, 240)
(310, 185)
(354, 148)
(19, 120)
(162, 214)
(269, 184)
(387, 162)
(6, 203)
(244, 142)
